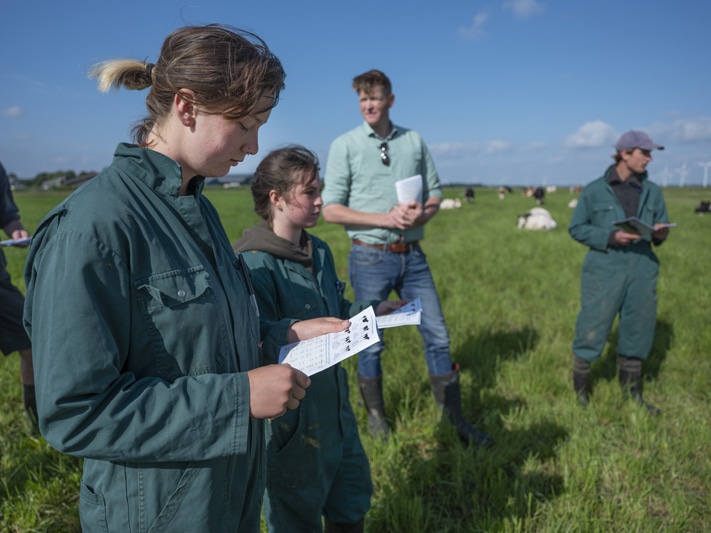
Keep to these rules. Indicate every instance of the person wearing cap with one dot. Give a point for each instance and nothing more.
(619, 274)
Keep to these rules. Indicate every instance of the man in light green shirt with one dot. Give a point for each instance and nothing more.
(360, 193)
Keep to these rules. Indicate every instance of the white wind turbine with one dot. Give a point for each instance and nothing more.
(665, 175)
(682, 174)
(705, 166)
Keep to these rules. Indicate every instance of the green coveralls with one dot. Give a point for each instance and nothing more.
(616, 280)
(316, 464)
(143, 331)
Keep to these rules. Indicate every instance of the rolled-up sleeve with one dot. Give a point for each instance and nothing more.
(338, 176)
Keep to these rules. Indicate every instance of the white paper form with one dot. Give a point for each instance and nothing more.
(410, 313)
(313, 355)
(409, 189)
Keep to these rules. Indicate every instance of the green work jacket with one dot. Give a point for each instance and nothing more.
(598, 209)
(287, 289)
(306, 445)
(143, 331)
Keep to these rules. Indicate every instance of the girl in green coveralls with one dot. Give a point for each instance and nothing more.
(316, 464)
(146, 341)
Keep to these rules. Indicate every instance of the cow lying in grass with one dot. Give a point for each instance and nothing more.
(450, 203)
(703, 207)
(536, 218)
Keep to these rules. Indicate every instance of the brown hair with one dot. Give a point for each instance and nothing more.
(281, 170)
(368, 81)
(228, 70)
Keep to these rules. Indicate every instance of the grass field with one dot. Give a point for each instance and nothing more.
(510, 298)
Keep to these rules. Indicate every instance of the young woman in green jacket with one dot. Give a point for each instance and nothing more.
(316, 465)
(146, 342)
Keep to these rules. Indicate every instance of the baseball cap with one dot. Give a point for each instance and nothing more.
(636, 139)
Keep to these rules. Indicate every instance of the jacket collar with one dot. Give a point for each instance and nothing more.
(156, 170)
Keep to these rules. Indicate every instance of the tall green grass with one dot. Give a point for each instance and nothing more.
(510, 298)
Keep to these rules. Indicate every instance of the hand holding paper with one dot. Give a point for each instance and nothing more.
(638, 227)
(319, 353)
(313, 355)
(410, 313)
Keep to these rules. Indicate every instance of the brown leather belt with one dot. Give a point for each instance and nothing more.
(395, 247)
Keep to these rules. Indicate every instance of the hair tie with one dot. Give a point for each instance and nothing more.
(149, 71)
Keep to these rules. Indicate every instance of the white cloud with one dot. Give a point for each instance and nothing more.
(523, 8)
(497, 147)
(691, 130)
(23, 137)
(476, 30)
(454, 150)
(592, 135)
(13, 112)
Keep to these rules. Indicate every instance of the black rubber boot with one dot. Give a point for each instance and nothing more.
(338, 527)
(581, 379)
(631, 381)
(448, 396)
(371, 390)
(30, 403)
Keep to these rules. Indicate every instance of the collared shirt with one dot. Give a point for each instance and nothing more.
(357, 178)
(627, 192)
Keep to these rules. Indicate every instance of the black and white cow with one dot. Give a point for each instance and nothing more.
(703, 207)
(536, 218)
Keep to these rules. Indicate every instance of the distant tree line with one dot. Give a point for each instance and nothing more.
(57, 179)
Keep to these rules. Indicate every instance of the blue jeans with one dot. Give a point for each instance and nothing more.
(374, 273)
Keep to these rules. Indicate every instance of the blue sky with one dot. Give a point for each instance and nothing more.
(507, 92)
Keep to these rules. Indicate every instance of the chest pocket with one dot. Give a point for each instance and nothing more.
(302, 298)
(303, 304)
(182, 315)
(603, 215)
(175, 288)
